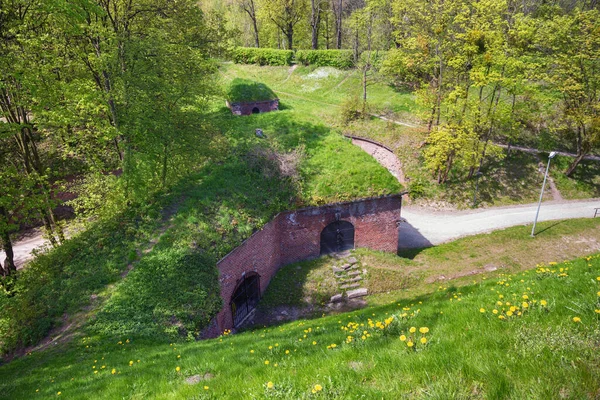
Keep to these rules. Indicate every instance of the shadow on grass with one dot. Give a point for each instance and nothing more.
(549, 227)
(515, 178)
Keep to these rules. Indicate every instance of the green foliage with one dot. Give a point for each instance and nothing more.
(244, 90)
(350, 110)
(62, 280)
(343, 59)
(170, 294)
(261, 56)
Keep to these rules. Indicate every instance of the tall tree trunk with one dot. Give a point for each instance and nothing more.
(9, 264)
(289, 34)
(338, 24)
(582, 151)
(315, 22)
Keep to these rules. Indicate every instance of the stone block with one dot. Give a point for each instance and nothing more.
(357, 293)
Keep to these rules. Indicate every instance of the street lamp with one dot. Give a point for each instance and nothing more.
(550, 157)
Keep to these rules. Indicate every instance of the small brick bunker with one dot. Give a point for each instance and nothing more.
(297, 235)
(253, 107)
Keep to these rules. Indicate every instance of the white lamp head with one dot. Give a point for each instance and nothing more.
(552, 154)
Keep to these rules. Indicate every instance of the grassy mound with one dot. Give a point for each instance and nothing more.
(528, 335)
(244, 90)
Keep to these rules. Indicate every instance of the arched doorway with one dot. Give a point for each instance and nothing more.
(245, 297)
(337, 236)
(255, 110)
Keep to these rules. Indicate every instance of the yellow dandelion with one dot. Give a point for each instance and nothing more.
(509, 313)
(597, 311)
(266, 362)
(314, 343)
(287, 352)
(251, 351)
(178, 355)
(177, 369)
(402, 337)
(525, 297)
(576, 319)
(424, 330)
(114, 371)
(96, 371)
(130, 363)
(59, 393)
(317, 388)
(270, 385)
(410, 344)
(543, 303)
(412, 329)
(525, 304)
(495, 311)
(205, 387)
(482, 310)
(423, 340)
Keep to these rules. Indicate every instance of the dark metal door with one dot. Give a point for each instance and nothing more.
(245, 298)
(337, 236)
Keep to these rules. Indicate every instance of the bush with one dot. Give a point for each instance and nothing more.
(342, 59)
(350, 110)
(253, 55)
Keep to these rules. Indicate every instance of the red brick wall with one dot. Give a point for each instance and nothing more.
(246, 108)
(295, 235)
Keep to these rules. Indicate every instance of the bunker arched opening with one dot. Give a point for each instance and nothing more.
(337, 236)
(255, 110)
(245, 297)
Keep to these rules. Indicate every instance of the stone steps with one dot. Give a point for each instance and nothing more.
(348, 275)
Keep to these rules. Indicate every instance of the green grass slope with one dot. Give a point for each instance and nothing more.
(529, 335)
(150, 271)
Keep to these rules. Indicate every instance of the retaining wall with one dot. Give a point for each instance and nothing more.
(295, 235)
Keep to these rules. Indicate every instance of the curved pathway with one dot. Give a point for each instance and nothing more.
(423, 228)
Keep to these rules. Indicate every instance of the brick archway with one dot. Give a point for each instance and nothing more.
(337, 236)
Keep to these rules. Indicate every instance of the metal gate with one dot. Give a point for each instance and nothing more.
(337, 236)
(245, 298)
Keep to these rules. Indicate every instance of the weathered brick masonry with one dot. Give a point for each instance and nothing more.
(247, 108)
(295, 235)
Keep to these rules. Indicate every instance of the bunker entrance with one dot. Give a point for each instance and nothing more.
(337, 236)
(245, 298)
(255, 110)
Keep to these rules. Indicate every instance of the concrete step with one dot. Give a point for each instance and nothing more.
(357, 293)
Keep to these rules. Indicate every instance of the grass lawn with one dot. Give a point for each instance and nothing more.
(531, 334)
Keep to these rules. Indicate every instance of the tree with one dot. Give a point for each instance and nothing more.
(570, 46)
(249, 7)
(316, 9)
(286, 14)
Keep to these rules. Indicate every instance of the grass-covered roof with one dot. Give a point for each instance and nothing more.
(244, 90)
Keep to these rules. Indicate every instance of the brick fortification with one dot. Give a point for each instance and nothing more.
(295, 235)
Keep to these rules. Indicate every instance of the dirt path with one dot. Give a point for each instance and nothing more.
(423, 228)
(383, 155)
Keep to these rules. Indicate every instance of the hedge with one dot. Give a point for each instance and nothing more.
(342, 59)
(261, 56)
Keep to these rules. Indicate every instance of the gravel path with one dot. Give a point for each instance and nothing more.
(384, 156)
(424, 228)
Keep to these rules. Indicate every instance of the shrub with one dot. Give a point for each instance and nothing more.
(342, 59)
(253, 55)
(350, 110)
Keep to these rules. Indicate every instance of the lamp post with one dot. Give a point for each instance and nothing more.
(550, 157)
